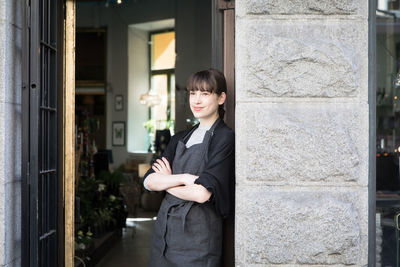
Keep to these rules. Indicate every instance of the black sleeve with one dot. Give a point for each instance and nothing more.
(169, 152)
(219, 173)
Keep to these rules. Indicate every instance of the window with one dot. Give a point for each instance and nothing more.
(151, 83)
(162, 81)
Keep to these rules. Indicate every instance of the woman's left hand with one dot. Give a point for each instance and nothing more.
(162, 166)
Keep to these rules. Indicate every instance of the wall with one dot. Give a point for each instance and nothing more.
(193, 45)
(301, 133)
(10, 132)
(138, 84)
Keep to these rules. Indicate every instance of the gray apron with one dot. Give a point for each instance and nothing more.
(186, 233)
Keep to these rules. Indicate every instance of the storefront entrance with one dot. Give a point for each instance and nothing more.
(56, 100)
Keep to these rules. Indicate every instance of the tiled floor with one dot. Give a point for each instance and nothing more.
(134, 248)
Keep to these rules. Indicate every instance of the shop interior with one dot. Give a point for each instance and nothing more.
(387, 132)
(132, 61)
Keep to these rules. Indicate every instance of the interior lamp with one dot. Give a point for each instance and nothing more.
(397, 80)
(150, 99)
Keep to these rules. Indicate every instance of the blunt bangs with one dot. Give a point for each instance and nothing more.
(202, 81)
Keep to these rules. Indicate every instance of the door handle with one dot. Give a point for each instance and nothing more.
(396, 220)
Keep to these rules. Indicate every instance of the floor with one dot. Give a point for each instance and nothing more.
(134, 248)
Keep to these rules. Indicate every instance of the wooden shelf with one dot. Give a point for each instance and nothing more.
(90, 90)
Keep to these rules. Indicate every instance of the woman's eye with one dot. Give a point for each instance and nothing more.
(205, 94)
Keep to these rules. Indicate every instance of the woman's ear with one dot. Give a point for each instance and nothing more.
(221, 98)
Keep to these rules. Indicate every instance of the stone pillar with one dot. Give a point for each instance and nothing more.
(301, 132)
(10, 132)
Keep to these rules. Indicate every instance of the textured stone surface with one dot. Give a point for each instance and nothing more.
(12, 148)
(300, 227)
(12, 220)
(10, 132)
(3, 201)
(2, 59)
(13, 12)
(320, 7)
(3, 10)
(13, 57)
(300, 143)
(15, 263)
(298, 58)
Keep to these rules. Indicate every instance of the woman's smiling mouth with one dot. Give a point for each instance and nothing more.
(197, 108)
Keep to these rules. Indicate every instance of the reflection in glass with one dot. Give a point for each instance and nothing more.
(387, 131)
(160, 88)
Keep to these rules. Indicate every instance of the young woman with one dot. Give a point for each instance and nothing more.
(197, 171)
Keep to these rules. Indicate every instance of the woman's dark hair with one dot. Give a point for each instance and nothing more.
(210, 80)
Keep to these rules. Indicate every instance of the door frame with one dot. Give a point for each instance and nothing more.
(68, 138)
(372, 132)
(223, 20)
(223, 47)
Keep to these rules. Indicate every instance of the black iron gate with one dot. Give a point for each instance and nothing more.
(39, 159)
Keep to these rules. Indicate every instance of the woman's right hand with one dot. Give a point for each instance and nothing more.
(162, 166)
(188, 179)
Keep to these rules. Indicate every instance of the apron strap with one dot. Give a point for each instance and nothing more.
(185, 211)
(186, 137)
(185, 208)
(211, 133)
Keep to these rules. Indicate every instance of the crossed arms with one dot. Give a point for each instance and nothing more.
(180, 185)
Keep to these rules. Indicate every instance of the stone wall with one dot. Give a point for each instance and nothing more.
(301, 132)
(10, 132)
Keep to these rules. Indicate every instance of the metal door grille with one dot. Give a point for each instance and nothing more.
(41, 184)
(47, 178)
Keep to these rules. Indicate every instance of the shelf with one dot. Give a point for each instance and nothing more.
(90, 90)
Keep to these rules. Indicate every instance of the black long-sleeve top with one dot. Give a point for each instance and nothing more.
(218, 176)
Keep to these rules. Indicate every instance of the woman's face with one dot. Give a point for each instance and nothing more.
(204, 105)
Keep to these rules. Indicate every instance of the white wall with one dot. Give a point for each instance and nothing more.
(138, 84)
(193, 46)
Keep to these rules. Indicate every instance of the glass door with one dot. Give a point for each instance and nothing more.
(387, 132)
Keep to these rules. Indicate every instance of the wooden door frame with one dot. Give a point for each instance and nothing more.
(68, 133)
(228, 9)
(223, 58)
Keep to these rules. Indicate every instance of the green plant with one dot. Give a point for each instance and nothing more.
(83, 241)
(101, 204)
(149, 125)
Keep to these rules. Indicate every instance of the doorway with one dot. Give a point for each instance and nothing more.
(138, 95)
(94, 99)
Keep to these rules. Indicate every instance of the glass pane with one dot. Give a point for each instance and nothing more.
(159, 88)
(172, 102)
(387, 131)
(163, 51)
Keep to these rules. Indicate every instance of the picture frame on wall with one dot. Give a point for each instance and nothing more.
(119, 103)
(118, 133)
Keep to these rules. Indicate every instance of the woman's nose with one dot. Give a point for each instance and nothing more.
(197, 98)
